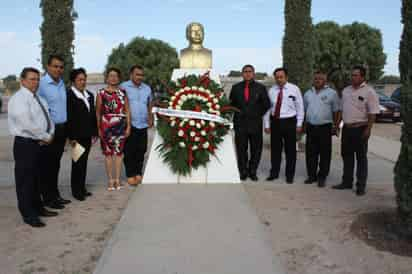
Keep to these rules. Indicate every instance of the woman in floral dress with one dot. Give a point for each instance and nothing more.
(113, 121)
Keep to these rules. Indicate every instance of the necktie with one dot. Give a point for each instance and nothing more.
(246, 93)
(44, 112)
(276, 114)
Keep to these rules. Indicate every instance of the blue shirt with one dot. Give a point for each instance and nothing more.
(139, 101)
(55, 96)
(321, 105)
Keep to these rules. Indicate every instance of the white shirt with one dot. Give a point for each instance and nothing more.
(82, 96)
(292, 104)
(26, 117)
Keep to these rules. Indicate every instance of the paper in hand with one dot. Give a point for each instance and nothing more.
(77, 151)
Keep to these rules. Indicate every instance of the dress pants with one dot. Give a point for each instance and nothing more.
(134, 151)
(283, 134)
(353, 144)
(79, 170)
(27, 160)
(318, 150)
(243, 140)
(50, 157)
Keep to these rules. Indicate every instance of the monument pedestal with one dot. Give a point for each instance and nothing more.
(220, 169)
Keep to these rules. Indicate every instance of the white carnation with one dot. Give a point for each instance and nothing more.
(180, 133)
(195, 147)
(192, 134)
(187, 88)
(217, 106)
(215, 101)
(172, 123)
(203, 133)
(197, 139)
(181, 144)
(195, 88)
(202, 122)
(201, 89)
(206, 145)
(198, 125)
(212, 124)
(192, 123)
(209, 104)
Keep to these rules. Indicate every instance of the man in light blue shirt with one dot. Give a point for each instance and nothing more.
(140, 99)
(322, 105)
(53, 91)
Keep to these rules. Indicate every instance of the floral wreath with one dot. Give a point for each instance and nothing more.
(198, 120)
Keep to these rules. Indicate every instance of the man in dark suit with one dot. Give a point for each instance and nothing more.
(251, 98)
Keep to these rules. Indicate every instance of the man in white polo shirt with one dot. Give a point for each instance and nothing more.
(360, 104)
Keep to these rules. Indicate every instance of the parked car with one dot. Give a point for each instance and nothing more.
(389, 109)
(396, 95)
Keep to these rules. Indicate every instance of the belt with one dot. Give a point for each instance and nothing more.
(319, 126)
(356, 125)
(284, 119)
(27, 140)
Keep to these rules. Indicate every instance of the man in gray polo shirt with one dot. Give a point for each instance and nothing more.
(360, 104)
(322, 107)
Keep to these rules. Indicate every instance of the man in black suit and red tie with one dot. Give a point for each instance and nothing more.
(251, 98)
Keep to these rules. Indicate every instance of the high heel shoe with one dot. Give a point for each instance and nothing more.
(111, 185)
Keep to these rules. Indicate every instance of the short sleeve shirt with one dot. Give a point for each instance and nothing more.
(140, 98)
(321, 105)
(357, 104)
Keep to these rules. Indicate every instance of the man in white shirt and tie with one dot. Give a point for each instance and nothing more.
(30, 123)
(283, 122)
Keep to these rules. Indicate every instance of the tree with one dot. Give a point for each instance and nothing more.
(11, 84)
(403, 167)
(157, 57)
(298, 42)
(57, 32)
(339, 48)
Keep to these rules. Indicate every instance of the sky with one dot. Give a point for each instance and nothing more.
(237, 31)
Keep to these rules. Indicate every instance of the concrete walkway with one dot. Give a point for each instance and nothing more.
(189, 229)
(384, 148)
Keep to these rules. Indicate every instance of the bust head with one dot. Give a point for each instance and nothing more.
(195, 33)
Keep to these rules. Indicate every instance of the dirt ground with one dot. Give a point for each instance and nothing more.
(310, 229)
(71, 243)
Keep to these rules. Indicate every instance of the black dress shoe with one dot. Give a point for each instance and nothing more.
(54, 205)
(243, 177)
(63, 201)
(87, 193)
(289, 181)
(342, 186)
(35, 223)
(321, 182)
(310, 180)
(272, 177)
(47, 213)
(253, 177)
(80, 198)
(360, 192)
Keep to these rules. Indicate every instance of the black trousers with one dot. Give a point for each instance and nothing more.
(79, 170)
(318, 150)
(49, 170)
(243, 139)
(134, 151)
(283, 135)
(27, 161)
(354, 145)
